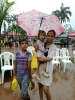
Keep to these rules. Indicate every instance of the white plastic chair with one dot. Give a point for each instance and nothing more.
(5, 63)
(30, 49)
(65, 58)
(64, 49)
(74, 55)
(64, 52)
(16, 43)
(58, 53)
(55, 60)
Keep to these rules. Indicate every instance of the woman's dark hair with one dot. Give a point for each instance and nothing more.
(52, 31)
(41, 31)
(23, 40)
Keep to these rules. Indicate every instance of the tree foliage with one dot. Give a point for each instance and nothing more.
(16, 29)
(63, 14)
(69, 29)
(5, 7)
(14, 26)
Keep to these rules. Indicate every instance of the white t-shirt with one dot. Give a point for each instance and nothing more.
(42, 49)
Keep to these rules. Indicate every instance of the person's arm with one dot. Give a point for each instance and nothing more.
(15, 66)
(15, 69)
(44, 59)
(29, 66)
(41, 48)
(30, 76)
(29, 69)
(51, 53)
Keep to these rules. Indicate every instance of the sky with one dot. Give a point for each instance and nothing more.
(46, 6)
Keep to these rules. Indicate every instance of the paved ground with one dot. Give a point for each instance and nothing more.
(62, 88)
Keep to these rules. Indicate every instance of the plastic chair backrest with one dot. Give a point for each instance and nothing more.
(31, 49)
(6, 56)
(57, 52)
(64, 54)
(74, 55)
(74, 52)
(56, 57)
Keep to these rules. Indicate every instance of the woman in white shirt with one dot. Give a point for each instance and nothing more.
(45, 82)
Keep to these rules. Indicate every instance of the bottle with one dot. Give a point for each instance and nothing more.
(14, 84)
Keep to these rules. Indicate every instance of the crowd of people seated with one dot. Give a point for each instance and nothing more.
(64, 42)
(8, 42)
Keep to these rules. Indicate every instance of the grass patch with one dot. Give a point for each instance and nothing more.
(72, 59)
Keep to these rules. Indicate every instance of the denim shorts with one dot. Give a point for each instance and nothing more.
(24, 84)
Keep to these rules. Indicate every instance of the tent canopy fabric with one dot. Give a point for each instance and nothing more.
(63, 35)
(71, 35)
(11, 34)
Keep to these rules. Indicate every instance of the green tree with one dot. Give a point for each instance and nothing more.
(14, 19)
(69, 29)
(56, 13)
(4, 25)
(14, 27)
(8, 19)
(5, 7)
(63, 14)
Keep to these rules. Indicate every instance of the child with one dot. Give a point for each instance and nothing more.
(22, 70)
(40, 53)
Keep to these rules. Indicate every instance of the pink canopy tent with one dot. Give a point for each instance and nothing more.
(71, 35)
(13, 34)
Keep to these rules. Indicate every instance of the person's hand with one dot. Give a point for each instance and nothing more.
(30, 77)
(33, 85)
(36, 46)
(14, 77)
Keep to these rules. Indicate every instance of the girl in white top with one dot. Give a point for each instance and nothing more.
(40, 53)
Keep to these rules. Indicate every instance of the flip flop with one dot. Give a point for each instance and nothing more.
(36, 77)
(45, 74)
